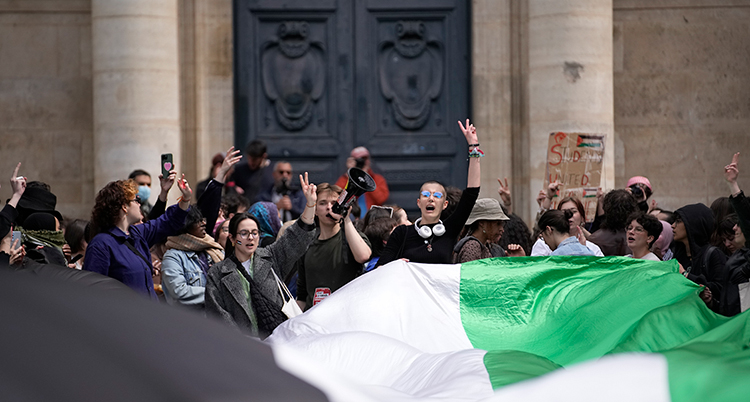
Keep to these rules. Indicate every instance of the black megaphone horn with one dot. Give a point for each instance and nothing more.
(358, 183)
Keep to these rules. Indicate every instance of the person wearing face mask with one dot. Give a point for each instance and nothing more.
(575, 206)
(482, 232)
(143, 180)
(120, 247)
(242, 290)
(430, 240)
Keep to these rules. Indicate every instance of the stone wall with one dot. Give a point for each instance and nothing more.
(46, 98)
(682, 95)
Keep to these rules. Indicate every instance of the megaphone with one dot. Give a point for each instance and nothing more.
(358, 183)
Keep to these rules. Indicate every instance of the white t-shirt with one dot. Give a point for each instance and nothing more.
(541, 249)
(649, 256)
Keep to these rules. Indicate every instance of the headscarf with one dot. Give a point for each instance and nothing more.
(39, 229)
(665, 238)
(268, 217)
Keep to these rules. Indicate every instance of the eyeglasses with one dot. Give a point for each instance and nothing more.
(245, 234)
(637, 229)
(389, 209)
(136, 199)
(427, 194)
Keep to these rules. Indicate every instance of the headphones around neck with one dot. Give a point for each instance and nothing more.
(425, 232)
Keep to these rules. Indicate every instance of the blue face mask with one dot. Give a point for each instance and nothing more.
(144, 192)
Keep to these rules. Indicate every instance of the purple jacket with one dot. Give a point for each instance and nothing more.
(108, 254)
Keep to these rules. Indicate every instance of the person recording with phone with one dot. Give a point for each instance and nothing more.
(289, 199)
(360, 158)
(120, 247)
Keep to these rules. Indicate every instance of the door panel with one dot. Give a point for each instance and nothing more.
(414, 88)
(315, 78)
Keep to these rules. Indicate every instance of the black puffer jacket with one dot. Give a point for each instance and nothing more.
(705, 264)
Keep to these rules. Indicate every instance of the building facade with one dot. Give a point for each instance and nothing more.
(93, 89)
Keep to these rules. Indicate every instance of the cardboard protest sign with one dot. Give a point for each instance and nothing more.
(575, 161)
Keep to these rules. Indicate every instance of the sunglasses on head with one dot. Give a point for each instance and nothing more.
(437, 194)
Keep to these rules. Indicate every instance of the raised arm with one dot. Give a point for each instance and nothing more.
(233, 156)
(210, 201)
(503, 191)
(731, 172)
(470, 133)
(17, 185)
(286, 250)
(165, 184)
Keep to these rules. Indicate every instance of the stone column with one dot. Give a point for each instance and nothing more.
(491, 77)
(207, 109)
(570, 80)
(136, 88)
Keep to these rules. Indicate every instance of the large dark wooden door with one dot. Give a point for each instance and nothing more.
(315, 78)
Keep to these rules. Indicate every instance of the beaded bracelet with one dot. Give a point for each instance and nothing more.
(476, 153)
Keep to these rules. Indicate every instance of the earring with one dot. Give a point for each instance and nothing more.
(484, 231)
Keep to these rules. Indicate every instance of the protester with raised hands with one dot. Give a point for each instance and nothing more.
(120, 247)
(430, 240)
(503, 190)
(738, 264)
(210, 201)
(737, 198)
(8, 217)
(245, 290)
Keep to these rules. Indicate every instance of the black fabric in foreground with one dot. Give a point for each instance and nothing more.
(62, 340)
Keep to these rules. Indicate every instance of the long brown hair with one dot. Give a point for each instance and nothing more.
(579, 206)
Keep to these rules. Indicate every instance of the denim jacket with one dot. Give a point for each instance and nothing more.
(571, 246)
(182, 278)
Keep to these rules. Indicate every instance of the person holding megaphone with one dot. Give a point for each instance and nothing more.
(430, 240)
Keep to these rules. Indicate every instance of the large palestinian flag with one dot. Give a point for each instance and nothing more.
(518, 329)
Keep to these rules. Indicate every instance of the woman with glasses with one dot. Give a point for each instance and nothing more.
(642, 232)
(120, 247)
(430, 240)
(242, 290)
(187, 260)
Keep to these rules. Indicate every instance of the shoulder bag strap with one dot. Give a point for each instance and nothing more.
(283, 290)
(134, 250)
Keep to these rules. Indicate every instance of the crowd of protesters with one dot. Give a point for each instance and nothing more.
(253, 246)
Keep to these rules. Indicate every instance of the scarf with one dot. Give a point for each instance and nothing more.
(48, 238)
(188, 242)
(268, 218)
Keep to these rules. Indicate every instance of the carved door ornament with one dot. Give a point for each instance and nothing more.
(411, 73)
(293, 74)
